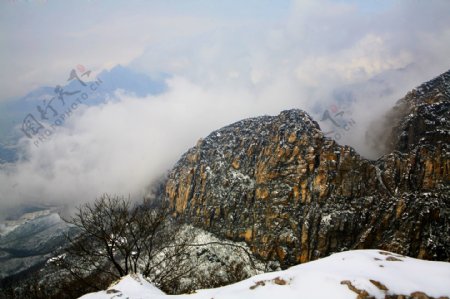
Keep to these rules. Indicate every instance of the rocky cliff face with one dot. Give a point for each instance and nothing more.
(423, 116)
(295, 195)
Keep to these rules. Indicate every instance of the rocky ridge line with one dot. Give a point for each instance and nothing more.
(295, 195)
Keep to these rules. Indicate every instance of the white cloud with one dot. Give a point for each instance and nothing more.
(119, 147)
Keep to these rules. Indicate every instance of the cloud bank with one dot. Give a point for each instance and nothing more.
(313, 55)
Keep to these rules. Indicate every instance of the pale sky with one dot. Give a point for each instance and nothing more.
(41, 39)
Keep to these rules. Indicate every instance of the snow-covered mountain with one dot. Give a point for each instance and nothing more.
(29, 241)
(293, 196)
(345, 275)
(296, 195)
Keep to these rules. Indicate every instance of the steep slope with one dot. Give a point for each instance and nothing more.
(353, 274)
(29, 241)
(423, 116)
(294, 195)
(420, 138)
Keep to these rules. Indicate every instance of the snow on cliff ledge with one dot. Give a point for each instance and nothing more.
(342, 275)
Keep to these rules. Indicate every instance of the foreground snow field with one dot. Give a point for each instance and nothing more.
(341, 275)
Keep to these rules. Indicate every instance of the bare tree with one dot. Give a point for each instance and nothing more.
(116, 239)
(101, 237)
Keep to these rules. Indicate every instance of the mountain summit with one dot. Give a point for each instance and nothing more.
(295, 195)
(423, 115)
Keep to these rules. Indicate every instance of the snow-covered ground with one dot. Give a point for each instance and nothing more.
(30, 240)
(341, 275)
(9, 225)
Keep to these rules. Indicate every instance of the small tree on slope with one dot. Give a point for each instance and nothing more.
(116, 239)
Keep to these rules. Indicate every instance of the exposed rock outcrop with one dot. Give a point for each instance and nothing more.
(295, 195)
(422, 117)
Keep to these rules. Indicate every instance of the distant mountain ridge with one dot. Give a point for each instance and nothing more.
(118, 78)
(294, 195)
